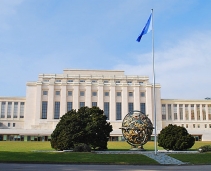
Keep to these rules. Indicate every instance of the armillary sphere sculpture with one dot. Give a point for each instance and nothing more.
(137, 129)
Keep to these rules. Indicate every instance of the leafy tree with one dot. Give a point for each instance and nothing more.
(176, 138)
(87, 126)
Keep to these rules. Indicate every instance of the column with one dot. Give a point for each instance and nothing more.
(124, 101)
(136, 100)
(75, 97)
(38, 103)
(100, 97)
(51, 95)
(88, 96)
(63, 100)
(112, 111)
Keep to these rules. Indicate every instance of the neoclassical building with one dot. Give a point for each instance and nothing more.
(34, 117)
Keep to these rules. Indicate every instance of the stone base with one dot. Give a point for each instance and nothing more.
(137, 149)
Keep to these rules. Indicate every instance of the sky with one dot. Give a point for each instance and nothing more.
(48, 36)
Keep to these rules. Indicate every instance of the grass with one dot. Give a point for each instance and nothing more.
(11, 151)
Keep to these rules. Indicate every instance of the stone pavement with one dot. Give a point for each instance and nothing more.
(160, 157)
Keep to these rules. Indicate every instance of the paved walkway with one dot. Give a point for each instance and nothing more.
(160, 157)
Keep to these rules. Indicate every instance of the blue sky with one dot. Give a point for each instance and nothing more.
(47, 36)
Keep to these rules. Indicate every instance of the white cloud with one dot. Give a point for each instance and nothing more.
(182, 69)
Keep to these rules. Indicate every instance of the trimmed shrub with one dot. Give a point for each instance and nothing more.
(176, 138)
(205, 148)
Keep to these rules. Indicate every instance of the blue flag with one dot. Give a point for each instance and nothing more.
(147, 28)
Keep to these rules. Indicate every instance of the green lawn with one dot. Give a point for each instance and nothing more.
(11, 151)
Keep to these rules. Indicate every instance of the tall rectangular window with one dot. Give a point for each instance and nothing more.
(57, 93)
(44, 109)
(106, 109)
(9, 109)
(22, 110)
(94, 93)
(118, 93)
(69, 106)
(82, 104)
(57, 110)
(15, 110)
(181, 111)
(69, 93)
(3, 106)
(163, 112)
(106, 93)
(203, 112)
(192, 112)
(175, 111)
(94, 104)
(82, 93)
(143, 108)
(142, 94)
(169, 112)
(118, 111)
(209, 112)
(186, 112)
(130, 107)
(198, 111)
(130, 94)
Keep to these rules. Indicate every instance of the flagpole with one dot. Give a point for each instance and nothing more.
(154, 97)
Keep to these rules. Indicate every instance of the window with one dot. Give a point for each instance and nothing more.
(94, 81)
(186, 112)
(69, 81)
(129, 82)
(141, 82)
(118, 111)
(3, 106)
(57, 93)
(181, 111)
(194, 125)
(8, 124)
(94, 93)
(57, 110)
(58, 81)
(69, 106)
(163, 112)
(209, 125)
(192, 112)
(106, 109)
(117, 82)
(15, 110)
(22, 110)
(69, 93)
(13, 125)
(143, 108)
(82, 104)
(94, 104)
(45, 80)
(175, 112)
(186, 125)
(205, 125)
(9, 109)
(198, 125)
(45, 93)
(82, 81)
(82, 93)
(44, 109)
(169, 112)
(118, 94)
(106, 93)
(130, 107)
(130, 94)
(142, 94)
(105, 82)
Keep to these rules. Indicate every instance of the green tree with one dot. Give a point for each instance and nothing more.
(176, 138)
(87, 125)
